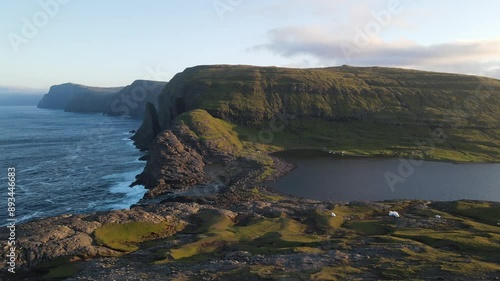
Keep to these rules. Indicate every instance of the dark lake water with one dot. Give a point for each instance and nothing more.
(321, 176)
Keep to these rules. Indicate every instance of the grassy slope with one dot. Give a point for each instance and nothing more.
(202, 126)
(367, 111)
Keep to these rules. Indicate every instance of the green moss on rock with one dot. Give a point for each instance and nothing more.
(126, 237)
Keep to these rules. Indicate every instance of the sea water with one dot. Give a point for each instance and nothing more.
(67, 162)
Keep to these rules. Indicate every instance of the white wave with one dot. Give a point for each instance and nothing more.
(136, 161)
(27, 217)
(123, 176)
(91, 205)
(132, 194)
(34, 168)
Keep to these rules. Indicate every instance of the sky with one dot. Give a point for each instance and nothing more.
(114, 42)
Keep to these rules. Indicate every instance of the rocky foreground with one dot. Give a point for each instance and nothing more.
(265, 237)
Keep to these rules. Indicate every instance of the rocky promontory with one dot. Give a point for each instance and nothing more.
(59, 96)
(171, 165)
(117, 101)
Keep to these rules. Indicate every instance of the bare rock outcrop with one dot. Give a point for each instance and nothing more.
(171, 165)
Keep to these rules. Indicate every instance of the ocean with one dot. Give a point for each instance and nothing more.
(67, 163)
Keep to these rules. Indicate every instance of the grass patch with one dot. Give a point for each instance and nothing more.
(259, 235)
(205, 127)
(396, 270)
(358, 211)
(59, 268)
(482, 245)
(322, 221)
(125, 237)
(339, 273)
(63, 271)
(470, 268)
(481, 211)
(369, 227)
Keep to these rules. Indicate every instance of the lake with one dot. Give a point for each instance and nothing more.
(321, 176)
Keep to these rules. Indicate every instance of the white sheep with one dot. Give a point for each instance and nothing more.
(394, 214)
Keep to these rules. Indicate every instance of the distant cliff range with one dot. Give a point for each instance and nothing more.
(119, 101)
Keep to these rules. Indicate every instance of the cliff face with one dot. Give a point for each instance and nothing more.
(132, 100)
(89, 102)
(250, 95)
(119, 101)
(148, 130)
(60, 96)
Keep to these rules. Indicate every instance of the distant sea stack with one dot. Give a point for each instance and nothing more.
(60, 96)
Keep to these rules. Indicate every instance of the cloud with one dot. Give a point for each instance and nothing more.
(330, 47)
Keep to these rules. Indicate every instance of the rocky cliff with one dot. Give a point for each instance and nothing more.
(251, 95)
(90, 102)
(132, 100)
(177, 157)
(148, 130)
(119, 101)
(59, 96)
